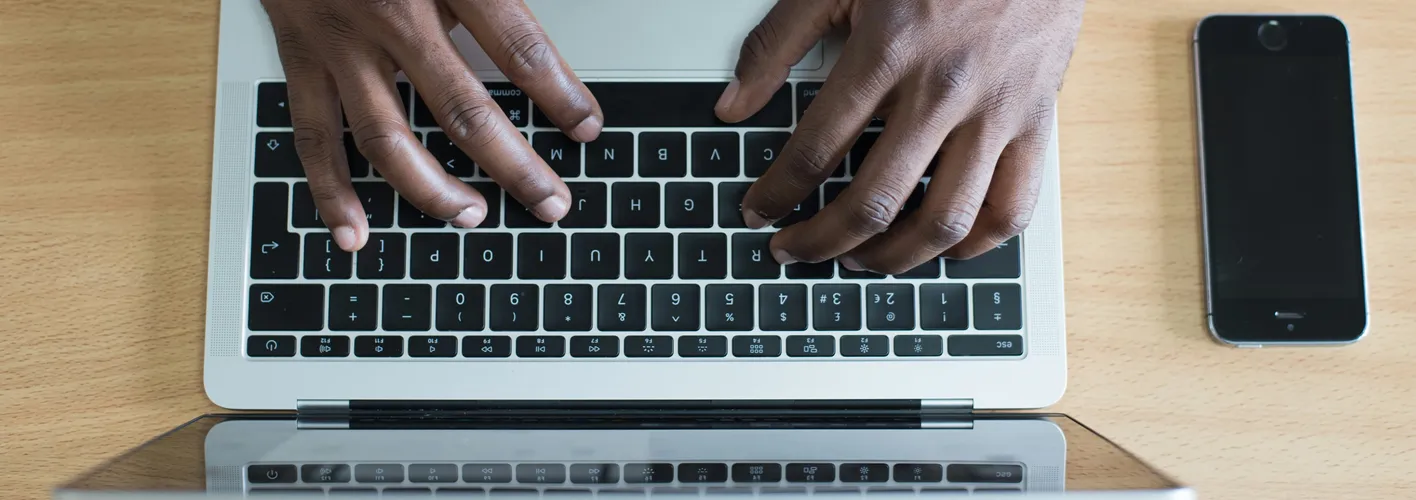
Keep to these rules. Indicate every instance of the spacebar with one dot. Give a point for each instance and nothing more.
(676, 105)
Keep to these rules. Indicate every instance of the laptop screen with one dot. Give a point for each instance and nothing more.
(252, 456)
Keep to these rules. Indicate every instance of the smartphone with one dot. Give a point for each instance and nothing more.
(1284, 256)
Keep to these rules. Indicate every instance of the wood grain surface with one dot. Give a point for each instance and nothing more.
(105, 166)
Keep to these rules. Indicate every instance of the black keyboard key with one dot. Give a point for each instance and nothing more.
(493, 194)
(803, 211)
(985, 473)
(762, 149)
(417, 136)
(944, 306)
(272, 106)
(782, 308)
(275, 251)
(460, 307)
(610, 155)
(865, 473)
(540, 473)
(594, 256)
(588, 201)
(648, 346)
(302, 208)
(622, 308)
(514, 308)
(270, 473)
(918, 473)
(410, 217)
(858, 275)
(324, 346)
(678, 105)
(286, 308)
(663, 154)
(486, 346)
(861, 149)
(729, 307)
(716, 154)
(806, 92)
(325, 473)
(648, 473)
(757, 346)
(928, 270)
(568, 308)
(836, 307)
(702, 473)
(512, 101)
(675, 308)
(358, 165)
(378, 473)
(486, 473)
(434, 256)
(688, 205)
(649, 256)
(594, 346)
(636, 205)
(730, 204)
(912, 204)
(378, 346)
(865, 345)
(832, 190)
(432, 473)
(325, 260)
(540, 346)
(998, 306)
(518, 216)
(752, 257)
(382, 257)
(407, 308)
(353, 308)
(439, 346)
(703, 256)
(377, 198)
(1002, 262)
(594, 473)
(811, 346)
(270, 346)
(757, 472)
(985, 345)
(486, 256)
(703, 346)
(540, 256)
(811, 473)
(919, 345)
(560, 152)
(276, 156)
(807, 271)
(451, 157)
(889, 307)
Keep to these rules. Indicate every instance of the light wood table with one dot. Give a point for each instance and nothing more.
(105, 151)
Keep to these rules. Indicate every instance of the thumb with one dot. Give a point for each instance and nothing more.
(783, 37)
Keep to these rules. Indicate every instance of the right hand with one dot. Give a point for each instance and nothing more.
(348, 51)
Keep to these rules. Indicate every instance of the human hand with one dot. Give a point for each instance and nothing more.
(347, 52)
(973, 81)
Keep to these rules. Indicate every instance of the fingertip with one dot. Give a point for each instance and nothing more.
(587, 130)
(783, 257)
(470, 217)
(754, 220)
(349, 239)
(725, 102)
(551, 209)
(850, 263)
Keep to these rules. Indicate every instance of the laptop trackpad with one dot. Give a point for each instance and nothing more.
(649, 35)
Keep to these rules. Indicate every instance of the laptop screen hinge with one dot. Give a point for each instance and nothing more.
(322, 414)
(945, 406)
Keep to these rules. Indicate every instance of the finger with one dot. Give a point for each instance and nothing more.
(319, 139)
(1008, 207)
(842, 109)
(778, 42)
(382, 134)
(510, 34)
(869, 205)
(951, 204)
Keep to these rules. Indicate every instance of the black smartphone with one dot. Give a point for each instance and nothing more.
(1278, 179)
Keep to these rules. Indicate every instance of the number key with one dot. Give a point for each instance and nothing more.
(514, 308)
(729, 307)
(622, 308)
(944, 306)
(675, 308)
(568, 308)
(889, 307)
(782, 308)
(836, 307)
(460, 307)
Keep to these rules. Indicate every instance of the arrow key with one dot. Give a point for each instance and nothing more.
(451, 157)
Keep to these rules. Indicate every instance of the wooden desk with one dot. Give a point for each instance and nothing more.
(105, 149)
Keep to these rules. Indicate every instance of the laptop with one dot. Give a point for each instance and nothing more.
(664, 307)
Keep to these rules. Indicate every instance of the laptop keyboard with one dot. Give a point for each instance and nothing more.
(653, 260)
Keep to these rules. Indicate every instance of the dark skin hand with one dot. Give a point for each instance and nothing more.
(973, 81)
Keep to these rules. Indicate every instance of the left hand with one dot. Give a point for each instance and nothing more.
(972, 81)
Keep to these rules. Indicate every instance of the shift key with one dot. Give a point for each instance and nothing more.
(286, 308)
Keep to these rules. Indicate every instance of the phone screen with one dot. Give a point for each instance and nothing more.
(1280, 172)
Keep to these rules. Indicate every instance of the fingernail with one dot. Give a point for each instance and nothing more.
(783, 257)
(729, 94)
(470, 217)
(551, 209)
(346, 238)
(754, 220)
(587, 130)
(851, 263)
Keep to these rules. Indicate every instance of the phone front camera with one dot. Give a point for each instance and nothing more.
(1272, 36)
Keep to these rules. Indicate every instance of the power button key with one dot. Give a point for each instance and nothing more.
(270, 473)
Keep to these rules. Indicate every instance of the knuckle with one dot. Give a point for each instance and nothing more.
(469, 120)
(955, 77)
(872, 213)
(528, 51)
(315, 143)
(436, 202)
(948, 228)
(379, 140)
(756, 46)
(325, 189)
(808, 154)
(529, 187)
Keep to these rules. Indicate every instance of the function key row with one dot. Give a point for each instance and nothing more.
(664, 307)
(635, 346)
(636, 473)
